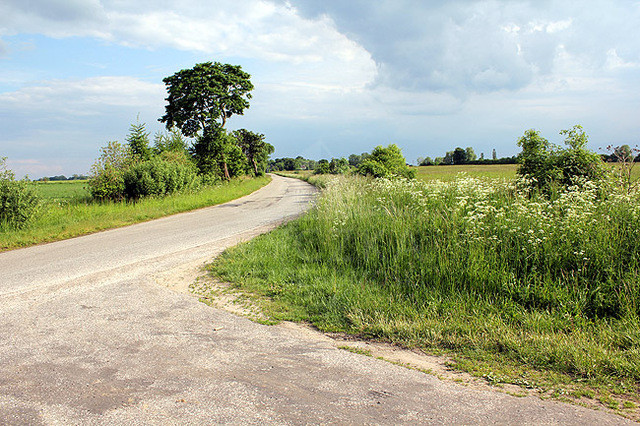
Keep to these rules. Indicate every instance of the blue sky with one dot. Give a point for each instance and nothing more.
(332, 77)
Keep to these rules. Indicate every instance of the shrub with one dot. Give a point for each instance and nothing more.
(322, 168)
(106, 179)
(337, 166)
(18, 200)
(549, 167)
(386, 162)
(161, 175)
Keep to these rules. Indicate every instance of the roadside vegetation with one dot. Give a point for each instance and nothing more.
(194, 163)
(522, 280)
(60, 219)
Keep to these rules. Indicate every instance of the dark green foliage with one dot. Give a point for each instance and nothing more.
(138, 141)
(200, 101)
(255, 149)
(18, 199)
(217, 154)
(385, 162)
(288, 164)
(355, 159)
(427, 161)
(459, 156)
(205, 96)
(337, 166)
(448, 158)
(164, 174)
(550, 167)
(322, 168)
(62, 178)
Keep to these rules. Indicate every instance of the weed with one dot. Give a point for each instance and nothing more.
(355, 350)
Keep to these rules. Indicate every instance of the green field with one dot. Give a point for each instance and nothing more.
(65, 210)
(513, 287)
(446, 173)
(68, 191)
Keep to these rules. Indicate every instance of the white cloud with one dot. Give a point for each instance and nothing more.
(254, 29)
(463, 47)
(83, 97)
(554, 27)
(614, 61)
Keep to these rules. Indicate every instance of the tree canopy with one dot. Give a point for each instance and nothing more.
(205, 96)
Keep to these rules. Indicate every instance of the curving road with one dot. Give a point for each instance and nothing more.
(90, 337)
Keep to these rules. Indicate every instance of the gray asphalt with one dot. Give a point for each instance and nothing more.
(90, 337)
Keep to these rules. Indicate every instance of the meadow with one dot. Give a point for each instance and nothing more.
(514, 287)
(446, 173)
(66, 210)
(63, 191)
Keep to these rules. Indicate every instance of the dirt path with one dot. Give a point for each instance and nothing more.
(94, 333)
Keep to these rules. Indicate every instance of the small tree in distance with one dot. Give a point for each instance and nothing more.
(386, 162)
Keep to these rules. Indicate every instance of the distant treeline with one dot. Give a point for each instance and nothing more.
(301, 163)
(465, 156)
(468, 156)
(62, 177)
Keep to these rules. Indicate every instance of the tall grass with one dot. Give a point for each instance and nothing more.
(62, 217)
(483, 267)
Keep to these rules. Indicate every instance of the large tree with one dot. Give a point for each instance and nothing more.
(205, 96)
(202, 98)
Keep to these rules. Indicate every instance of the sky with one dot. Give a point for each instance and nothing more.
(331, 77)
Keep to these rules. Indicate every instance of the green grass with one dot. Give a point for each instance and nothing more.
(492, 171)
(67, 191)
(517, 289)
(447, 173)
(66, 213)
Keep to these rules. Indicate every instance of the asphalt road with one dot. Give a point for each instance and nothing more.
(89, 336)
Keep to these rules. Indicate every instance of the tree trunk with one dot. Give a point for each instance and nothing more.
(226, 171)
(255, 166)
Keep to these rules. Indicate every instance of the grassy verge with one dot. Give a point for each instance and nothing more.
(515, 288)
(65, 216)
